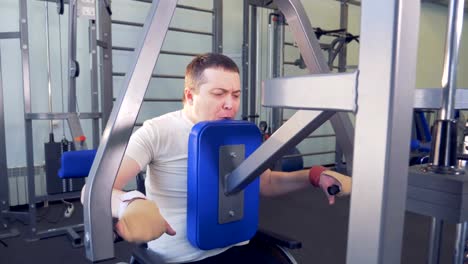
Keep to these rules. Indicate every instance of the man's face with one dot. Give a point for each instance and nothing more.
(218, 96)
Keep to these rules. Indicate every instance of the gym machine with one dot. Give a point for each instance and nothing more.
(377, 187)
(72, 117)
(438, 189)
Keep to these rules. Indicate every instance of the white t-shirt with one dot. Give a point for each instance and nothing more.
(161, 145)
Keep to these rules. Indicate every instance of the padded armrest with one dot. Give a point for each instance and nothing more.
(277, 239)
(143, 255)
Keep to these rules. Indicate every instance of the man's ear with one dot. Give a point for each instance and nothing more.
(188, 93)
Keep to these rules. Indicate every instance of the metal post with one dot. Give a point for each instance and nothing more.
(105, 61)
(73, 67)
(24, 42)
(94, 81)
(245, 61)
(343, 25)
(342, 61)
(4, 189)
(384, 114)
(434, 241)
(443, 156)
(217, 28)
(254, 62)
(275, 60)
(98, 191)
(460, 242)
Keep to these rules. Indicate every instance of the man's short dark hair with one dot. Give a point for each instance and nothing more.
(194, 71)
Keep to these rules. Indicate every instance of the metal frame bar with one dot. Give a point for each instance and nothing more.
(5, 230)
(303, 122)
(342, 58)
(431, 98)
(105, 61)
(29, 117)
(217, 27)
(332, 91)
(276, 60)
(72, 16)
(182, 6)
(316, 63)
(169, 76)
(385, 114)
(4, 193)
(166, 52)
(97, 196)
(253, 48)
(59, 116)
(9, 35)
(136, 24)
(94, 81)
(24, 43)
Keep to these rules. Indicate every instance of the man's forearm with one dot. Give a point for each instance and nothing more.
(273, 183)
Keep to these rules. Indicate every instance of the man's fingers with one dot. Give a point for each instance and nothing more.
(331, 199)
(121, 230)
(169, 230)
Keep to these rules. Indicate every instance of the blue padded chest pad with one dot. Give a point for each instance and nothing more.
(203, 228)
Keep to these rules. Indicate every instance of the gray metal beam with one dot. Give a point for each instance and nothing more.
(105, 61)
(97, 196)
(314, 58)
(431, 98)
(4, 189)
(217, 27)
(72, 62)
(9, 35)
(303, 120)
(331, 92)
(385, 116)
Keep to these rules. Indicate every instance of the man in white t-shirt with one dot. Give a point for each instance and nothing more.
(212, 92)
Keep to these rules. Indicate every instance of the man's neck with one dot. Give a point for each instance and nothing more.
(188, 112)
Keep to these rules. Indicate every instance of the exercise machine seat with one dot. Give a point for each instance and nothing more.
(76, 164)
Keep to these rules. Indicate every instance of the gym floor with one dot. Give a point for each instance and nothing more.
(304, 216)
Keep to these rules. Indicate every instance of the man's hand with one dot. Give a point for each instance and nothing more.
(329, 178)
(142, 222)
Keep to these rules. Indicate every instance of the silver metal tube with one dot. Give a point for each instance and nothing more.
(343, 25)
(168, 76)
(72, 64)
(97, 196)
(308, 154)
(270, 49)
(9, 35)
(452, 45)
(162, 51)
(256, 91)
(182, 7)
(434, 241)
(216, 27)
(49, 85)
(136, 24)
(4, 192)
(460, 242)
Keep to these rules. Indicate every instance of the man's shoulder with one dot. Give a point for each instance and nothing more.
(168, 120)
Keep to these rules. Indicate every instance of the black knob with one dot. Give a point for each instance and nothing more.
(333, 190)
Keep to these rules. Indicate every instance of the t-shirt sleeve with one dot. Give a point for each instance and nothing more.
(143, 144)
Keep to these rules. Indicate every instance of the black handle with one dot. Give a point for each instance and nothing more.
(333, 190)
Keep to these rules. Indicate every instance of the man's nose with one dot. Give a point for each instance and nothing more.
(228, 103)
